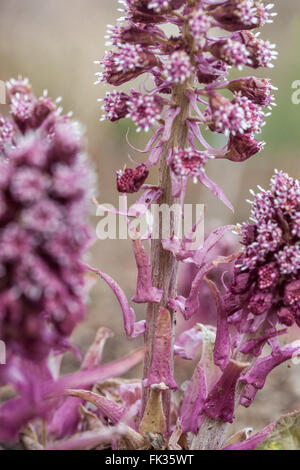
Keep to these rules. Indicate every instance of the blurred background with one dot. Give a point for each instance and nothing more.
(54, 44)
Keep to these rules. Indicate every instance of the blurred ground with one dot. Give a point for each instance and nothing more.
(54, 43)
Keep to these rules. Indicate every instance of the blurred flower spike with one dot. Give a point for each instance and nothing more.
(44, 192)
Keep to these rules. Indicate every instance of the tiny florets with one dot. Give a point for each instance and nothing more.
(178, 68)
(115, 106)
(189, 163)
(144, 110)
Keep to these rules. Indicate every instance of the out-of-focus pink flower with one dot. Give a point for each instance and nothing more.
(44, 231)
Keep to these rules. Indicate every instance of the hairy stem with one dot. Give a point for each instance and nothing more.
(211, 436)
(164, 265)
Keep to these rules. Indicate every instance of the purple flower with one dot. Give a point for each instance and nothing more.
(260, 53)
(178, 68)
(234, 117)
(176, 108)
(28, 111)
(199, 24)
(233, 53)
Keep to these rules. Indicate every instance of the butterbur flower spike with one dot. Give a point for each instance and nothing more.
(141, 46)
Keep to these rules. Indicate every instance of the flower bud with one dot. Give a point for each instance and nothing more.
(257, 90)
(241, 147)
(131, 181)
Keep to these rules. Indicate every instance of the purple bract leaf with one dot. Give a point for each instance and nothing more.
(18, 411)
(132, 328)
(222, 345)
(90, 439)
(255, 346)
(108, 408)
(193, 402)
(220, 403)
(145, 290)
(154, 156)
(215, 189)
(210, 243)
(161, 370)
(256, 377)
(170, 116)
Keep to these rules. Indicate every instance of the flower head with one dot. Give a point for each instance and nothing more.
(115, 106)
(258, 90)
(235, 15)
(199, 24)
(130, 61)
(130, 181)
(271, 258)
(144, 110)
(189, 163)
(178, 68)
(261, 53)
